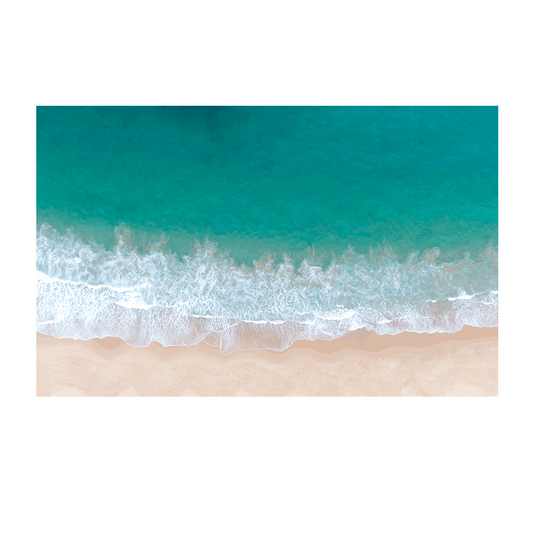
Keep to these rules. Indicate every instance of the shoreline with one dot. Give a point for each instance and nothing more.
(361, 363)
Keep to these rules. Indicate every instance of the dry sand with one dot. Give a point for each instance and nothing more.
(359, 364)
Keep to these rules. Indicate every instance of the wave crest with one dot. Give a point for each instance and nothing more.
(85, 291)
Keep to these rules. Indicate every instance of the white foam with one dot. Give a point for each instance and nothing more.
(84, 291)
(40, 276)
(462, 297)
(136, 305)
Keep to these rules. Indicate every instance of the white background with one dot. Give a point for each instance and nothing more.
(31, 96)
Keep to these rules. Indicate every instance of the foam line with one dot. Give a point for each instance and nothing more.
(85, 291)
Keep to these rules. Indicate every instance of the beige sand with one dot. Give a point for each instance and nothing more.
(359, 364)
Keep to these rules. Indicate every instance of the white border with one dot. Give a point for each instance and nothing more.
(31, 96)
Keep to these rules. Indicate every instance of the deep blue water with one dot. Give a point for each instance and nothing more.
(381, 183)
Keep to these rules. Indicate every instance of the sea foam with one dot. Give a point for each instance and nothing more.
(85, 291)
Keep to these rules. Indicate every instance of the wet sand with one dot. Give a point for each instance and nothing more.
(358, 364)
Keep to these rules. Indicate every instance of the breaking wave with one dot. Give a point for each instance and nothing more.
(85, 291)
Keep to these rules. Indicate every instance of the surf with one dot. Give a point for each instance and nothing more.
(85, 291)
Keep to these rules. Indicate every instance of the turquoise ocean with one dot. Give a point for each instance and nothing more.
(253, 227)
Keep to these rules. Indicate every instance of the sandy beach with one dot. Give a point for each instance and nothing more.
(359, 364)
